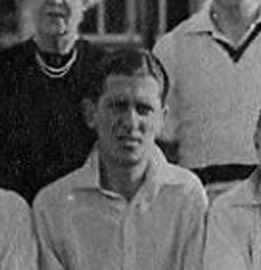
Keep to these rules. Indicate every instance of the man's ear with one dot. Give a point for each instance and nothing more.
(163, 119)
(165, 113)
(89, 113)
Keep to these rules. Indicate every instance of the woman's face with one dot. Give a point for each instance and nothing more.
(56, 17)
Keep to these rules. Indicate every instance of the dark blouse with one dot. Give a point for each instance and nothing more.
(42, 131)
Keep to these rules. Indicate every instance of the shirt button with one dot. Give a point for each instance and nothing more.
(70, 197)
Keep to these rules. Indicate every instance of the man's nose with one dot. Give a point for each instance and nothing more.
(131, 119)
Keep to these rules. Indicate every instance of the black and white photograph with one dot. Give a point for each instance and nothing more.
(130, 134)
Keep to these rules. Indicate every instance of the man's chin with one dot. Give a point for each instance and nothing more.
(129, 160)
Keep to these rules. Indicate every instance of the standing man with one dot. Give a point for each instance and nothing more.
(234, 231)
(42, 134)
(214, 62)
(127, 207)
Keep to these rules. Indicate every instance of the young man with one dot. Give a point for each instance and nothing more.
(214, 65)
(42, 133)
(18, 250)
(234, 224)
(127, 207)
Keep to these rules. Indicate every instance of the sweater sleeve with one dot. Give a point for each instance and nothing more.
(166, 51)
(18, 249)
(224, 250)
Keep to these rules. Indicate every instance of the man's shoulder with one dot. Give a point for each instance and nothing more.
(181, 30)
(60, 186)
(182, 179)
(60, 191)
(172, 45)
(183, 187)
(7, 196)
(178, 175)
(12, 206)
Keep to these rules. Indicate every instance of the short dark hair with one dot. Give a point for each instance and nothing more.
(127, 61)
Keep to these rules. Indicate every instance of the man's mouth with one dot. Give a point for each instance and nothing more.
(129, 141)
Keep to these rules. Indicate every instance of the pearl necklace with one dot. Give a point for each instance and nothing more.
(53, 72)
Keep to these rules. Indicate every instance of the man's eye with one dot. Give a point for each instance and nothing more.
(144, 109)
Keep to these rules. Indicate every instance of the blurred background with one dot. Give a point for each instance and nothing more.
(109, 23)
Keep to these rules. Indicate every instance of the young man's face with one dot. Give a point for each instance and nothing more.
(56, 17)
(128, 117)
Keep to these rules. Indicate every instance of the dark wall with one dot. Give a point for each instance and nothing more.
(8, 16)
(9, 25)
(178, 10)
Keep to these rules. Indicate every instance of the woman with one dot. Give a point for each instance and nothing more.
(42, 133)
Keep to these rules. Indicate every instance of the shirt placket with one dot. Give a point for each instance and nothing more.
(129, 240)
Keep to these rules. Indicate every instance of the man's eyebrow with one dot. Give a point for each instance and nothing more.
(117, 102)
(117, 99)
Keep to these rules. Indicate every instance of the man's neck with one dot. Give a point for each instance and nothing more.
(124, 180)
(57, 45)
(234, 20)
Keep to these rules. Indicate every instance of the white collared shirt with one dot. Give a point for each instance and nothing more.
(82, 226)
